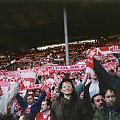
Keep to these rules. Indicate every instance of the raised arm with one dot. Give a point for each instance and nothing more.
(56, 78)
(37, 105)
(21, 101)
(41, 98)
(102, 74)
(79, 89)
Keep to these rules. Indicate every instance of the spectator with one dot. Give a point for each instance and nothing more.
(94, 86)
(27, 116)
(44, 113)
(97, 101)
(31, 106)
(91, 105)
(92, 99)
(108, 80)
(77, 81)
(7, 117)
(17, 110)
(6, 97)
(111, 110)
(112, 71)
(36, 94)
(54, 96)
(68, 107)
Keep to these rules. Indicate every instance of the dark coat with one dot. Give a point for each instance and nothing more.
(64, 109)
(87, 105)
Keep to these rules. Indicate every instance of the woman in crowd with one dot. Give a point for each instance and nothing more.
(68, 106)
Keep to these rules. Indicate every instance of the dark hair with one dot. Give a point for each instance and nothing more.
(92, 99)
(117, 67)
(112, 70)
(30, 95)
(70, 81)
(28, 116)
(106, 89)
(67, 75)
(7, 117)
(66, 80)
(48, 102)
(34, 90)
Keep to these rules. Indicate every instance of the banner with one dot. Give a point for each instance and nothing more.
(101, 52)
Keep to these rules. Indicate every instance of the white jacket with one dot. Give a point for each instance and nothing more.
(7, 97)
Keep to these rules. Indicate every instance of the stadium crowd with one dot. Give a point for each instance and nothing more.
(87, 89)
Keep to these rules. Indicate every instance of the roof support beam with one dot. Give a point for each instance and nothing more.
(66, 36)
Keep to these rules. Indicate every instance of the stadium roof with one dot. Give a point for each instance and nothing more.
(30, 23)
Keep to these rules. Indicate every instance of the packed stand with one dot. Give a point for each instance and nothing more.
(63, 92)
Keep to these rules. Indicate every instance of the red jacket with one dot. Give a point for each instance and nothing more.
(41, 117)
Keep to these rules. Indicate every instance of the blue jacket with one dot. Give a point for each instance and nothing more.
(35, 108)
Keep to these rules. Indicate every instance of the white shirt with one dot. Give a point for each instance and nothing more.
(94, 88)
